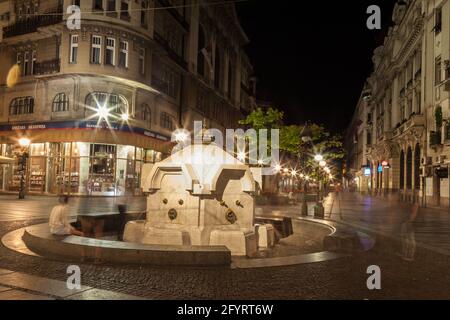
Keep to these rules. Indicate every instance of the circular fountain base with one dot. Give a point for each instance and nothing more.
(311, 241)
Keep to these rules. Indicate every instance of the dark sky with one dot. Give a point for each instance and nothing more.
(312, 57)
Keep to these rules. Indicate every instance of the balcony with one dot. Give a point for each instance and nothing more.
(47, 67)
(415, 120)
(32, 24)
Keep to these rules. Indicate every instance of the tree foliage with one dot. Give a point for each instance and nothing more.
(291, 137)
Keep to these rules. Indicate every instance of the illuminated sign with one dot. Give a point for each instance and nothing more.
(367, 172)
(380, 169)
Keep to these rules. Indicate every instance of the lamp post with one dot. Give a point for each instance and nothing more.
(23, 158)
(307, 140)
(319, 210)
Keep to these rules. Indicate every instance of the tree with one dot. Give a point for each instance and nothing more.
(291, 142)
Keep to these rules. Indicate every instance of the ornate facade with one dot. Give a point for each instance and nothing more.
(133, 73)
(409, 105)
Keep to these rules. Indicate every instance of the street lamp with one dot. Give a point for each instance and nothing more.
(318, 158)
(23, 157)
(319, 210)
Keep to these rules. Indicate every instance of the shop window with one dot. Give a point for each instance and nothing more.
(60, 103)
(21, 105)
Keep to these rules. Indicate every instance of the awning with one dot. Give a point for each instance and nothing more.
(4, 160)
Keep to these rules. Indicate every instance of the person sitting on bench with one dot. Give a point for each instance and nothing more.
(59, 220)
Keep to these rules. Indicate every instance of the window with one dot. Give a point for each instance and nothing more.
(115, 103)
(110, 50)
(19, 58)
(21, 105)
(166, 121)
(124, 15)
(144, 14)
(142, 60)
(438, 71)
(200, 56)
(146, 113)
(60, 103)
(111, 6)
(25, 63)
(230, 79)
(97, 5)
(438, 21)
(96, 50)
(123, 55)
(33, 61)
(73, 48)
(369, 139)
(217, 70)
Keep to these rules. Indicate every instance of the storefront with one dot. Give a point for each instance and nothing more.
(95, 168)
(78, 168)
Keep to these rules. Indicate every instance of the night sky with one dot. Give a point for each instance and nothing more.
(312, 58)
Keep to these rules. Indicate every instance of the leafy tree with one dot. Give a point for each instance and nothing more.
(291, 142)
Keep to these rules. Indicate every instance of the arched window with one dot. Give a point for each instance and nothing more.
(217, 69)
(146, 113)
(115, 103)
(417, 167)
(409, 168)
(166, 121)
(60, 103)
(21, 105)
(402, 170)
(200, 56)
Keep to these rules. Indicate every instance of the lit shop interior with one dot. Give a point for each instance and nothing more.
(77, 168)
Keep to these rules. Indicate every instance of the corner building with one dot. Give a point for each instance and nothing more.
(100, 101)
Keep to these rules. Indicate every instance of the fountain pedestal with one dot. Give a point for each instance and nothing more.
(199, 196)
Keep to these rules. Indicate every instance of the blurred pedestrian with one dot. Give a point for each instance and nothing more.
(59, 219)
(407, 233)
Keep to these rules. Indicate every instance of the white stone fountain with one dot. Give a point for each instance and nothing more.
(200, 196)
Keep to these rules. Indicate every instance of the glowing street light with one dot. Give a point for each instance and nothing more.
(323, 164)
(294, 173)
(125, 117)
(277, 168)
(241, 156)
(318, 157)
(24, 142)
(181, 136)
(103, 112)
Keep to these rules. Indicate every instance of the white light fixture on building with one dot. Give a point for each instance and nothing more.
(24, 142)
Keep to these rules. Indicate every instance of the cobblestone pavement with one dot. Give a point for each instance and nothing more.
(427, 277)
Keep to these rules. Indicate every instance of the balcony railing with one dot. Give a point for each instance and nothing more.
(47, 67)
(32, 23)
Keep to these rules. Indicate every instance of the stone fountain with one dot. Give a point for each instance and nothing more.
(200, 196)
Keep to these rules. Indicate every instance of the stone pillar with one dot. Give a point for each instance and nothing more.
(395, 173)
